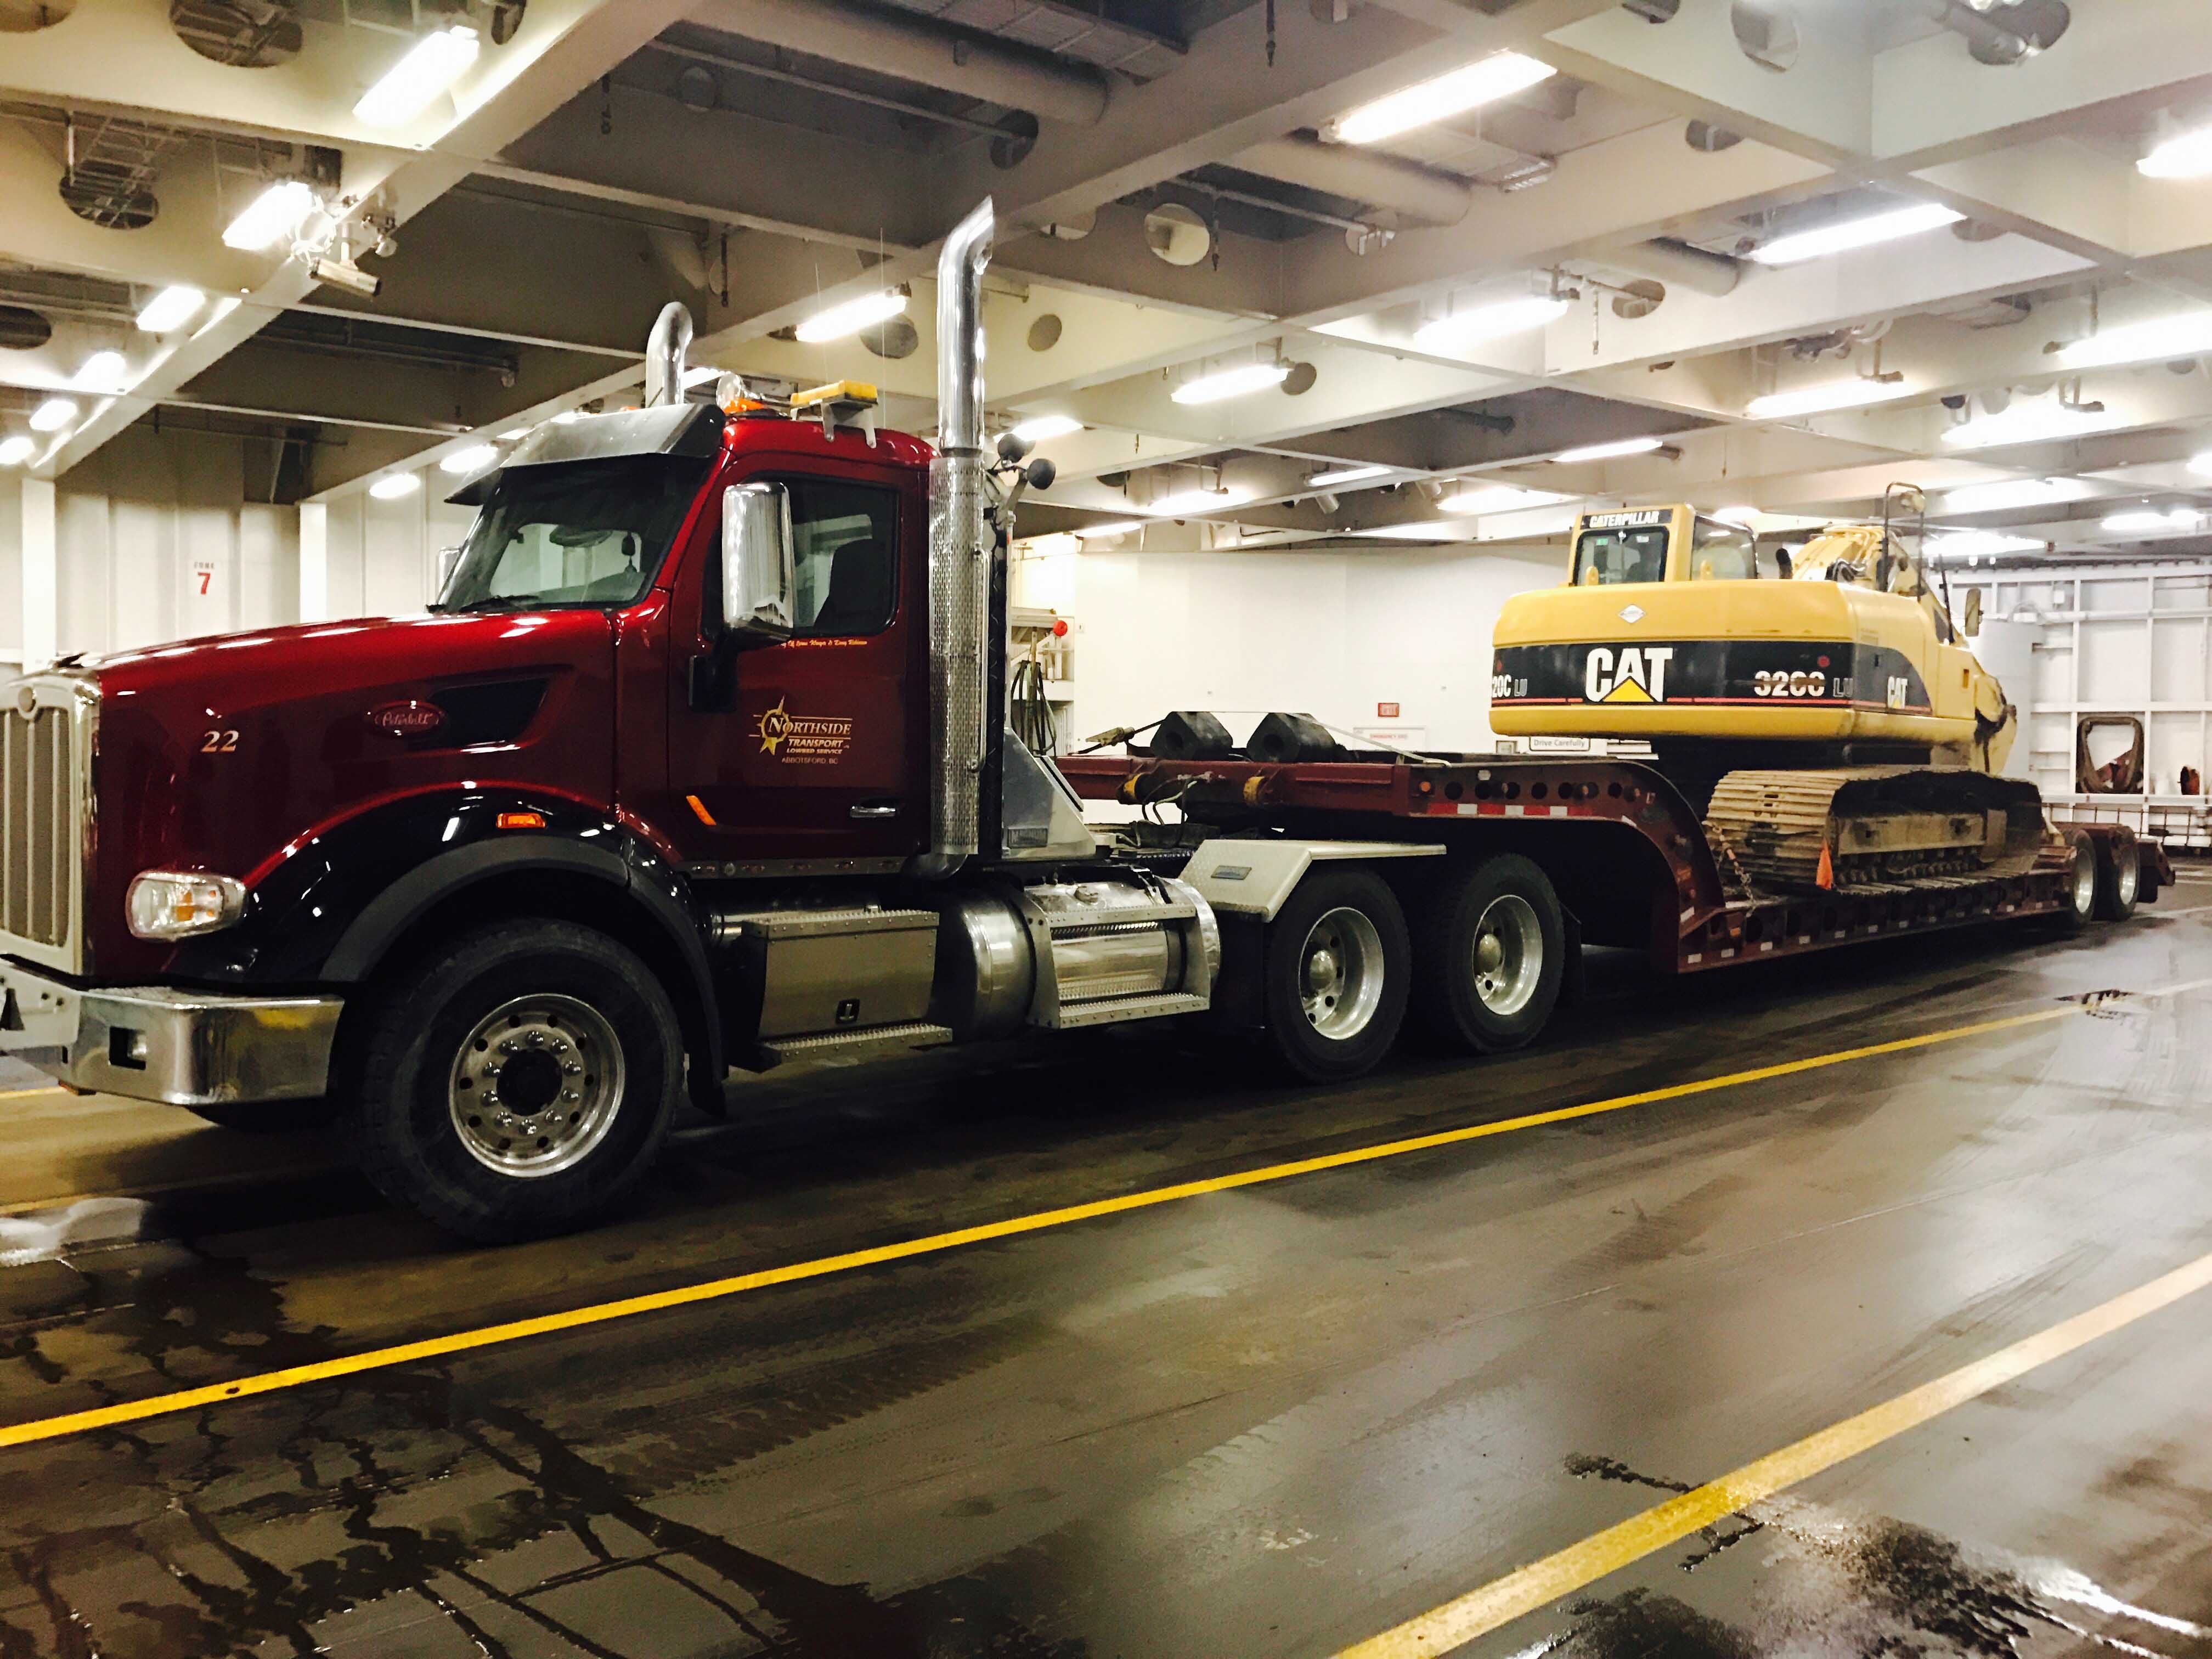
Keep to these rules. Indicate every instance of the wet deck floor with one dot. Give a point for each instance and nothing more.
(1272, 1420)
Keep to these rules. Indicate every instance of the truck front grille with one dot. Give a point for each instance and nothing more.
(45, 750)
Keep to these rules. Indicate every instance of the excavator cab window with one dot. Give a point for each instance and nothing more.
(1604, 558)
(1722, 552)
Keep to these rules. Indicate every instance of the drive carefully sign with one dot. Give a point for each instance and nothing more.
(1635, 673)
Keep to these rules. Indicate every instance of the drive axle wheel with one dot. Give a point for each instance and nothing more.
(2081, 882)
(519, 1083)
(1489, 955)
(1336, 975)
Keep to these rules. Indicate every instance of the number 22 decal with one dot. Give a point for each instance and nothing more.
(218, 743)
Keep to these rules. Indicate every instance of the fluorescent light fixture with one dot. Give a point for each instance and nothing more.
(2027, 424)
(1187, 503)
(1856, 233)
(1853, 393)
(1980, 543)
(1469, 87)
(1096, 532)
(1497, 498)
(2012, 493)
(1607, 451)
(431, 66)
(2188, 335)
(393, 486)
(1039, 428)
(173, 308)
(2184, 155)
(2202, 464)
(1434, 530)
(53, 414)
(852, 316)
(14, 451)
(1237, 382)
(1742, 515)
(104, 371)
(1346, 474)
(474, 458)
(2181, 521)
(270, 216)
(1490, 322)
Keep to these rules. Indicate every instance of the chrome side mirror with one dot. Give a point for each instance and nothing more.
(1970, 622)
(449, 560)
(757, 583)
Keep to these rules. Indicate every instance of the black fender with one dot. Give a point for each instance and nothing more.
(331, 915)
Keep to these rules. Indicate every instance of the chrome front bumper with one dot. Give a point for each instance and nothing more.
(183, 1047)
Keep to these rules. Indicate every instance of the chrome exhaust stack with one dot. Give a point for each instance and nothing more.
(664, 355)
(959, 555)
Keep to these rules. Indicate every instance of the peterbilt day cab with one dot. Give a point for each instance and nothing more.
(701, 760)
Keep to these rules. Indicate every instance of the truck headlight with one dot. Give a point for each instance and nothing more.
(179, 904)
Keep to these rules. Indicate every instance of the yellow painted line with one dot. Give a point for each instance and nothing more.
(489, 1336)
(1542, 1583)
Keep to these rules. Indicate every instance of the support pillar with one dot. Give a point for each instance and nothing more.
(41, 576)
(314, 562)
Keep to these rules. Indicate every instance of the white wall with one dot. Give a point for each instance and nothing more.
(384, 555)
(1331, 635)
(11, 569)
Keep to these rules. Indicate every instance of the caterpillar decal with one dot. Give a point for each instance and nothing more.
(1752, 672)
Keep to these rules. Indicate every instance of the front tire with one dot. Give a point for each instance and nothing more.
(519, 1083)
(1489, 955)
(1335, 975)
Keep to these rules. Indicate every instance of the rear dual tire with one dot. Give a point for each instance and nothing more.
(1489, 955)
(1335, 975)
(2120, 875)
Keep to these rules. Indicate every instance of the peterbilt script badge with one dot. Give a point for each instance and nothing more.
(1632, 613)
(407, 720)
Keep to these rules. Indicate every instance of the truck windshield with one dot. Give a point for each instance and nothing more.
(1603, 557)
(575, 534)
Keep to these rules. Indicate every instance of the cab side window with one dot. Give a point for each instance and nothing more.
(844, 557)
(1722, 552)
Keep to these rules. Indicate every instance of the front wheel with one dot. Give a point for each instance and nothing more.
(1336, 971)
(519, 1083)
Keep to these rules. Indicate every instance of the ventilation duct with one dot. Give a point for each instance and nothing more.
(928, 54)
(1680, 265)
(1406, 188)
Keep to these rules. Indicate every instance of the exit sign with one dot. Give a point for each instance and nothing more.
(1386, 711)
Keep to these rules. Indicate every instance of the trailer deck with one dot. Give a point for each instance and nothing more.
(1574, 817)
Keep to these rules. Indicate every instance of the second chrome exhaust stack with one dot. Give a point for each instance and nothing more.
(959, 554)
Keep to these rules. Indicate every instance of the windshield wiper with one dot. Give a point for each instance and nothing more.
(496, 602)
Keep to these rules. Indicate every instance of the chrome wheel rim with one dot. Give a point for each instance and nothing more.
(1509, 954)
(537, 1085)
(2085, 881)
(2127, 874)
(1340, 973)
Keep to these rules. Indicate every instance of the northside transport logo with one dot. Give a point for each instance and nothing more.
(803, 739)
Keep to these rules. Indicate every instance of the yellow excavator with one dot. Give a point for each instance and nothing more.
(1820, 710)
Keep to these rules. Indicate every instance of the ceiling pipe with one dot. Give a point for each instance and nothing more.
(1990, 41)
(929, 55)
(1415, 193)
(1678, 264)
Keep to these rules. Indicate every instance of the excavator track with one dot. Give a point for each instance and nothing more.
(1876, 827)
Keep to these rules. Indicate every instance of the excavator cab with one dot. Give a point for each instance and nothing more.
(1662, 544)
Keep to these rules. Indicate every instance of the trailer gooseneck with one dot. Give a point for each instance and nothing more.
(703, 759)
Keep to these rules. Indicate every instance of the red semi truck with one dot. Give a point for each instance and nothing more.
(701, 760)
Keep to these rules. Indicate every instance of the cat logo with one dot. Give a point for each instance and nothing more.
(1638, 674)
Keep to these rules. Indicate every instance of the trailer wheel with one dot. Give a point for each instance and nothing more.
(2082, 881)
(2120, 875)
(519, 1083)
(1336, 972)
(1489, 955)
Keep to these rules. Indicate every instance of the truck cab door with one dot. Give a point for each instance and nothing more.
(811, 756)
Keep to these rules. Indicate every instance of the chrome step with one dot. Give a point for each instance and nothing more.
(839, 1044)
(1114, 1010)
